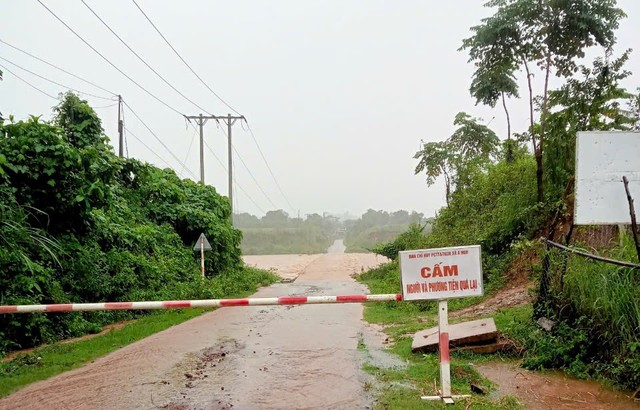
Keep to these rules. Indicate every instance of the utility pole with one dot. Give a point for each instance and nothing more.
(201, 120)
(229, 120)
(120, 129)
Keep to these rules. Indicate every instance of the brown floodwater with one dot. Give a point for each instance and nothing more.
(553, 390)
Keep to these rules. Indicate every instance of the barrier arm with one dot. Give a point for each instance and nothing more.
(207, 303)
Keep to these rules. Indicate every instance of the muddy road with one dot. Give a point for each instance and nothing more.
(248, 357)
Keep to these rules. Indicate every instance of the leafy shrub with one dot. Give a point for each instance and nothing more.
(497, 208)
(566, 348)
(413, 238)
(78, 224)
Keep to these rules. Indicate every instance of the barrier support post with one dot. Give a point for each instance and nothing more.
(445, 364)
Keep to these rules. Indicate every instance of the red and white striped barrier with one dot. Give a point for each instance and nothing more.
(208, 303)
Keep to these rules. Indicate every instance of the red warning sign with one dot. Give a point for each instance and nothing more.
(443, 273)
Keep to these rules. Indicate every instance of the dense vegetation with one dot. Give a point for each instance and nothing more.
(504, 197)
(375, 227)
(277, 233)
(79, 224)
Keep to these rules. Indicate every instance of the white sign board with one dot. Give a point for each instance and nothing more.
(444, 273)
(602, 159)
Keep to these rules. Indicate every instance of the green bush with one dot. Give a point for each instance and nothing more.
(413, 238)
(78, 224)
(497, 208)
(567, 347)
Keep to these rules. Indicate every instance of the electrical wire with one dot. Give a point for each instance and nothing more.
(267, 164)
(253, 177)
(124, 134)
(27, 82)
(56, 67)
(104, 106)
(235, 197)
(109, 61)
(186, 158)
(219, 98)
(183, 60)
(158, 138)
(55, 82)
(234, 179)
(142, 59)
(249, 171)
(146, 146)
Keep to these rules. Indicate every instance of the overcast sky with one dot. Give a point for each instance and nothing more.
(339, 94)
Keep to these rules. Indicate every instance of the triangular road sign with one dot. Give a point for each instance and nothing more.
(207, 245)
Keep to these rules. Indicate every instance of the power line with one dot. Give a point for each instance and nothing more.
(253, 177)
(55, 82)
(224, 167)
(140, 58)
(126, 143)
(147, 147)
(158, 138)
(107, 60)
(27, 82)
(236, 182)
(183, 60)
(105, 106)
(56, 67)
(268, 167)
(250, 173)
(219, 98)
(186, 158)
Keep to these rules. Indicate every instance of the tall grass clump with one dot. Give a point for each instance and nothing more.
(597, 309)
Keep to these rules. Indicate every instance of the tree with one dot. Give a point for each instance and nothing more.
(277, 218)
(246, 220)
(634, 109)
(472, 146)
(550, 34)
(79, 121)
(492, 83)
(592, 103)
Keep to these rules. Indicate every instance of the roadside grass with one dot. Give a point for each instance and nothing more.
(402, 388)
(50, 360)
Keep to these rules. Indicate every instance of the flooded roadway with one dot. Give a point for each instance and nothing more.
(248, 357)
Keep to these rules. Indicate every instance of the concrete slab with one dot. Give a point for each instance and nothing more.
(460, 334)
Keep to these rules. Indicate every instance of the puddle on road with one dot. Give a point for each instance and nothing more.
(552, 390)
(376, 353)
(277, 357)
